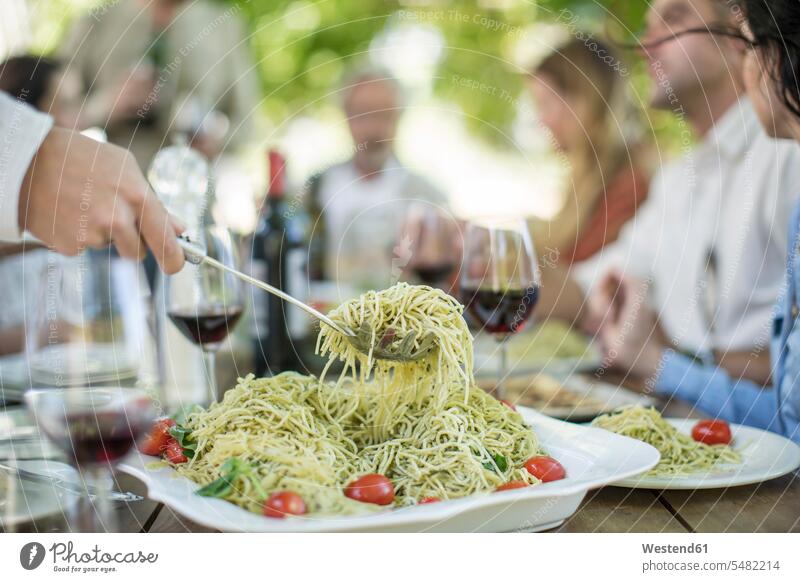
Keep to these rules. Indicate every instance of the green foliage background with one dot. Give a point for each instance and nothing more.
(303, 46)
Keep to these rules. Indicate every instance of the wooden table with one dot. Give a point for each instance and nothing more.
(773, 506)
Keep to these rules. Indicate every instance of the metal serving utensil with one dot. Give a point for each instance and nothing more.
(386, 346)
(68, 486)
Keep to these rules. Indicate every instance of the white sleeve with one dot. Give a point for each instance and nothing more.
(632, 252)
(22, 131)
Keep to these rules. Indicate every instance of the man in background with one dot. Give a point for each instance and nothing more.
(153, 68)
(710, 241)
(358, 208)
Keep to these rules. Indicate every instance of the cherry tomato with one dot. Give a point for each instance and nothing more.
(158, 437)
(428, 500)
(509, 404)
(174, 452)
(511, 485)
(545, 468)
(712, 432)
(284, 503)
(371, 488)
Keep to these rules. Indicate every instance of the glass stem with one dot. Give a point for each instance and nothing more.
(210, 358)
(502, 370)
(95, 513)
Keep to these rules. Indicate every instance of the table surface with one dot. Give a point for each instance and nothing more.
(772, 506)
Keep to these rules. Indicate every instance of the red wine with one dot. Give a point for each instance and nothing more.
(89, 438)
(432, 274)
(206, 327)
(501, 311)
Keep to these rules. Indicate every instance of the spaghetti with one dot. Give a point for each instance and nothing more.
(680, 454)
(403, 310)
(422, 424)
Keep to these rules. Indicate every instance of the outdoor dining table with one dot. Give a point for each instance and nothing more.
(771, 506)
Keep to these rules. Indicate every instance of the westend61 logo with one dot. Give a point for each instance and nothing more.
(66, 559)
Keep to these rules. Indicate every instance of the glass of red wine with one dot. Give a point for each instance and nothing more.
(92, 368)
(94, 427)
(499, 281)
(205, 303)
(434, 237)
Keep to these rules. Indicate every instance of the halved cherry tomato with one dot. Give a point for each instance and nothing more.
(545, 468)
(511, 485)
(428, 500)
(284, 503)
(712, 432)
(158, 437)
(371, 488)
(509, 404)
(174, 452)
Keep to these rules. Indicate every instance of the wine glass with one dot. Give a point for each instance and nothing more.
(205, 303)
(91, 365)
(435, 240)
(94, 427)
(500, 281)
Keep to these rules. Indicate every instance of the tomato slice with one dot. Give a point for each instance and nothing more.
(425, 500)
(158, 437)
(284, 503)
(174, 452)
(712, 432)
(511, 485)
(545, 468)
(371, 488)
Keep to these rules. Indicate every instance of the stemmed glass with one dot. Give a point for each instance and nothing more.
(205, 303)
(499, 281)
(435, 240)
(91, 365)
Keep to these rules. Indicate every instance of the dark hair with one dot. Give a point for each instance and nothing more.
(775, 29)
(27, 77)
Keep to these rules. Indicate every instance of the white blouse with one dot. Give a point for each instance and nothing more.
(22, 131)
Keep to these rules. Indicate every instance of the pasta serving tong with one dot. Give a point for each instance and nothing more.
(385, 346)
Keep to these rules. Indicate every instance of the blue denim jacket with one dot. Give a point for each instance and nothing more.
(714, 392)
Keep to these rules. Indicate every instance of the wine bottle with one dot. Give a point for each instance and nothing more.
(278, 258)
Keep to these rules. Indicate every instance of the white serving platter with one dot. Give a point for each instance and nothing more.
(765, 456)
(592, 458)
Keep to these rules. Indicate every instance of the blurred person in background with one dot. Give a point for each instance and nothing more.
(710, 240)
(580, 98)
(154, 68)
(358, 208)
(771, 69)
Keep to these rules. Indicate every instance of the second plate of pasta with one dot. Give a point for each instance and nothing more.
(762, 456)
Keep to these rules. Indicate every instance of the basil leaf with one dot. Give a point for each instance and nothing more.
(217, 488)
(501, 462)
(183, 436)
(181, 416)
(230, 470)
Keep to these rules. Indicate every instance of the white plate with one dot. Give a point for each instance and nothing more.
(77, 363)
(34, 501)
(597, 397)
(591, 457)
(765, 455)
